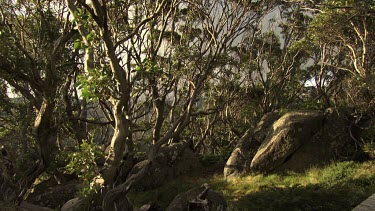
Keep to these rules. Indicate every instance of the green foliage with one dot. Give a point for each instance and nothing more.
(369, 149)
(83, 164)
(368, 139)
(149, 67)
(337, 173)
(313, 105)
(4, 131)
(82, 16)
(96, 83)
(305, 47)
(78, 44)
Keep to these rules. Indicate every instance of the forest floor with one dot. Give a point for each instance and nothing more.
(337, 186)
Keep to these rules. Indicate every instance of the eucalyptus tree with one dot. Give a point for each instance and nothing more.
(166, 50)
(228, 90)
(34, 61)
(346, 46)
(275, 60)
(108, 27)
(266, 70)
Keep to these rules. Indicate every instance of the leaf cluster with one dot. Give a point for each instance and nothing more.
(83, 164)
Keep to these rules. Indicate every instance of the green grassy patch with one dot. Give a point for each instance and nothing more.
(338, 186)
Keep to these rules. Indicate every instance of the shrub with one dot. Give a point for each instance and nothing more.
(83, 164)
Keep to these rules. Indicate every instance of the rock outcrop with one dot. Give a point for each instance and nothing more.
(286, 136)
(50, 194)
(76, 204)
(264, 125)
(240, 159)
(201, 199)
(294, 141)
(173, 160)
(328, 143)
(245, 149)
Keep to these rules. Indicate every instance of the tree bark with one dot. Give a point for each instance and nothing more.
(120, 141)
(46, 132)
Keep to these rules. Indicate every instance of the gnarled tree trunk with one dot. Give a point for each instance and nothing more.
(121, 144)
(46, 132)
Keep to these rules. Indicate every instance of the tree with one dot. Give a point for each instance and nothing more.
(236, 90)
(171, 48)
(346, 46)
(33, 62)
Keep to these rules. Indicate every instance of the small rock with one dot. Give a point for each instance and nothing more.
(75, 204)
(202, 198)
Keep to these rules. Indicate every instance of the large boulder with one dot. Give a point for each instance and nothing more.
(50, 194)
(240, 159)
(172, 160)
(32, 207)
(294, 141)
(76, 204)
(245, 149)
(330, 142)
(286, 136)
(202, 198)
(264, 125)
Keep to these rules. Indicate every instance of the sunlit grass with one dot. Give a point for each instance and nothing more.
(338, 186)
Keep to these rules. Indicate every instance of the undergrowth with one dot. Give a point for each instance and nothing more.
(338, 186)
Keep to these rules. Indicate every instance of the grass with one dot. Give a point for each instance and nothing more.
(338, 186)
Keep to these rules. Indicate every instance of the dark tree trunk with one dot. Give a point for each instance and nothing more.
(46, 132)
